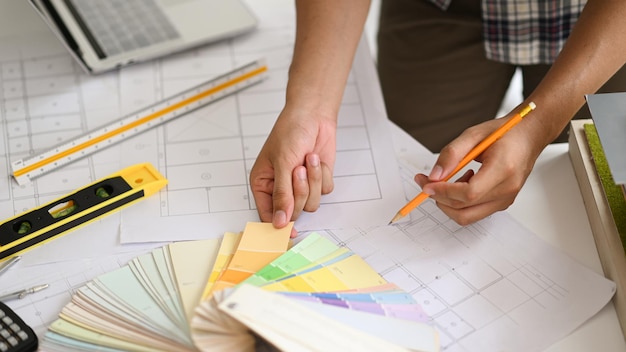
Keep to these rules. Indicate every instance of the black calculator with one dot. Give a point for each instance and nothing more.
(15, 335)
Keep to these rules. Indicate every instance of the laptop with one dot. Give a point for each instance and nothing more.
(106, 34)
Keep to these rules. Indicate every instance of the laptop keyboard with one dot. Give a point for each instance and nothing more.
(118, 26)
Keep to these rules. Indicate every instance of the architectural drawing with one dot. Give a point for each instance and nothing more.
(206, 154)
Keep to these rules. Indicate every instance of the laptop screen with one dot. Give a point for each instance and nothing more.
(115, 27)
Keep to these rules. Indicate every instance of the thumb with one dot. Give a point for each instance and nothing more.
(452, 154)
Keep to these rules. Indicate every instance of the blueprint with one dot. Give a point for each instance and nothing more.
(490, 286)
(207, 154)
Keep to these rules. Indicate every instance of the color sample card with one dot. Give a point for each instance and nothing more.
(307, 252)
(259, 245)
(151, 303)
(227, 249)
(191, 262)
(348, 273)
(393, 303)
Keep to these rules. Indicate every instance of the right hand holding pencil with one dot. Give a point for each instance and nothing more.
(495, 185)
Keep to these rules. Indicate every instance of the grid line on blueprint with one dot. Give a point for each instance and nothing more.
(46, 100)
(35, 92)
(463, 279)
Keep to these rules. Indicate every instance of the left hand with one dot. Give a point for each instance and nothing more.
(504, 170)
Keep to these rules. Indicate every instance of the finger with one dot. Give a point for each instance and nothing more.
(471, 190)
(452, 154)
(451, 194)
(264, 206)
(282, 197)
(328, 183)
(314, 177)
(421, 180)
(469, 215)
(262, 185)
(300, 190)
(493, 181)
(466, 176)
(449, 158)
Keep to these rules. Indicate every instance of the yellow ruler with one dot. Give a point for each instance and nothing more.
(25, 170)
(49, 221)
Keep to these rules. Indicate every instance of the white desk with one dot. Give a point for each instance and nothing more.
(550, 205)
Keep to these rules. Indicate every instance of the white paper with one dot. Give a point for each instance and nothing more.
(490, 286)
(207, 155)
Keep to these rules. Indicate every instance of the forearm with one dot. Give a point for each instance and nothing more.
(595, 50)
(327, 34)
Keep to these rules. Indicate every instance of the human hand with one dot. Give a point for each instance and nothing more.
(295, 166)
(504, 170)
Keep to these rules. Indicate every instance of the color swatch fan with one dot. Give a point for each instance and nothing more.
(321, 277)
(245, 292)
(275, 322)
(146, 305)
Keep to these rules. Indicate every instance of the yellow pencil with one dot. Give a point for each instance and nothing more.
(478, 149)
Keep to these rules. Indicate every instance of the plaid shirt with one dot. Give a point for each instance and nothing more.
(525, 32)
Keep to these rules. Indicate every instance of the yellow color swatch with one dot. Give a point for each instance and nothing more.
(259, 245)
(227, 249)
(347, 274)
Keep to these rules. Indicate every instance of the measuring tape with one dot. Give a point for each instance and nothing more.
(25, 170)
(85, 205)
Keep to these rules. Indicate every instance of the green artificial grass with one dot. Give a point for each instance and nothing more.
(614, 194)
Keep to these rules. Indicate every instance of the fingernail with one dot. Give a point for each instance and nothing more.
(429, 191)
(435, 173)
(314, 160)
(280, 218)
(301, 173)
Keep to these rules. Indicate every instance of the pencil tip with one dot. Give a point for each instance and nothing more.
(395, 218)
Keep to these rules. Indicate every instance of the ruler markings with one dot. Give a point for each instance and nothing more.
(24, 170)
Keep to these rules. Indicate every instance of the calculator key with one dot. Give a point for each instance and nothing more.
(12, 341)
(15, 334)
